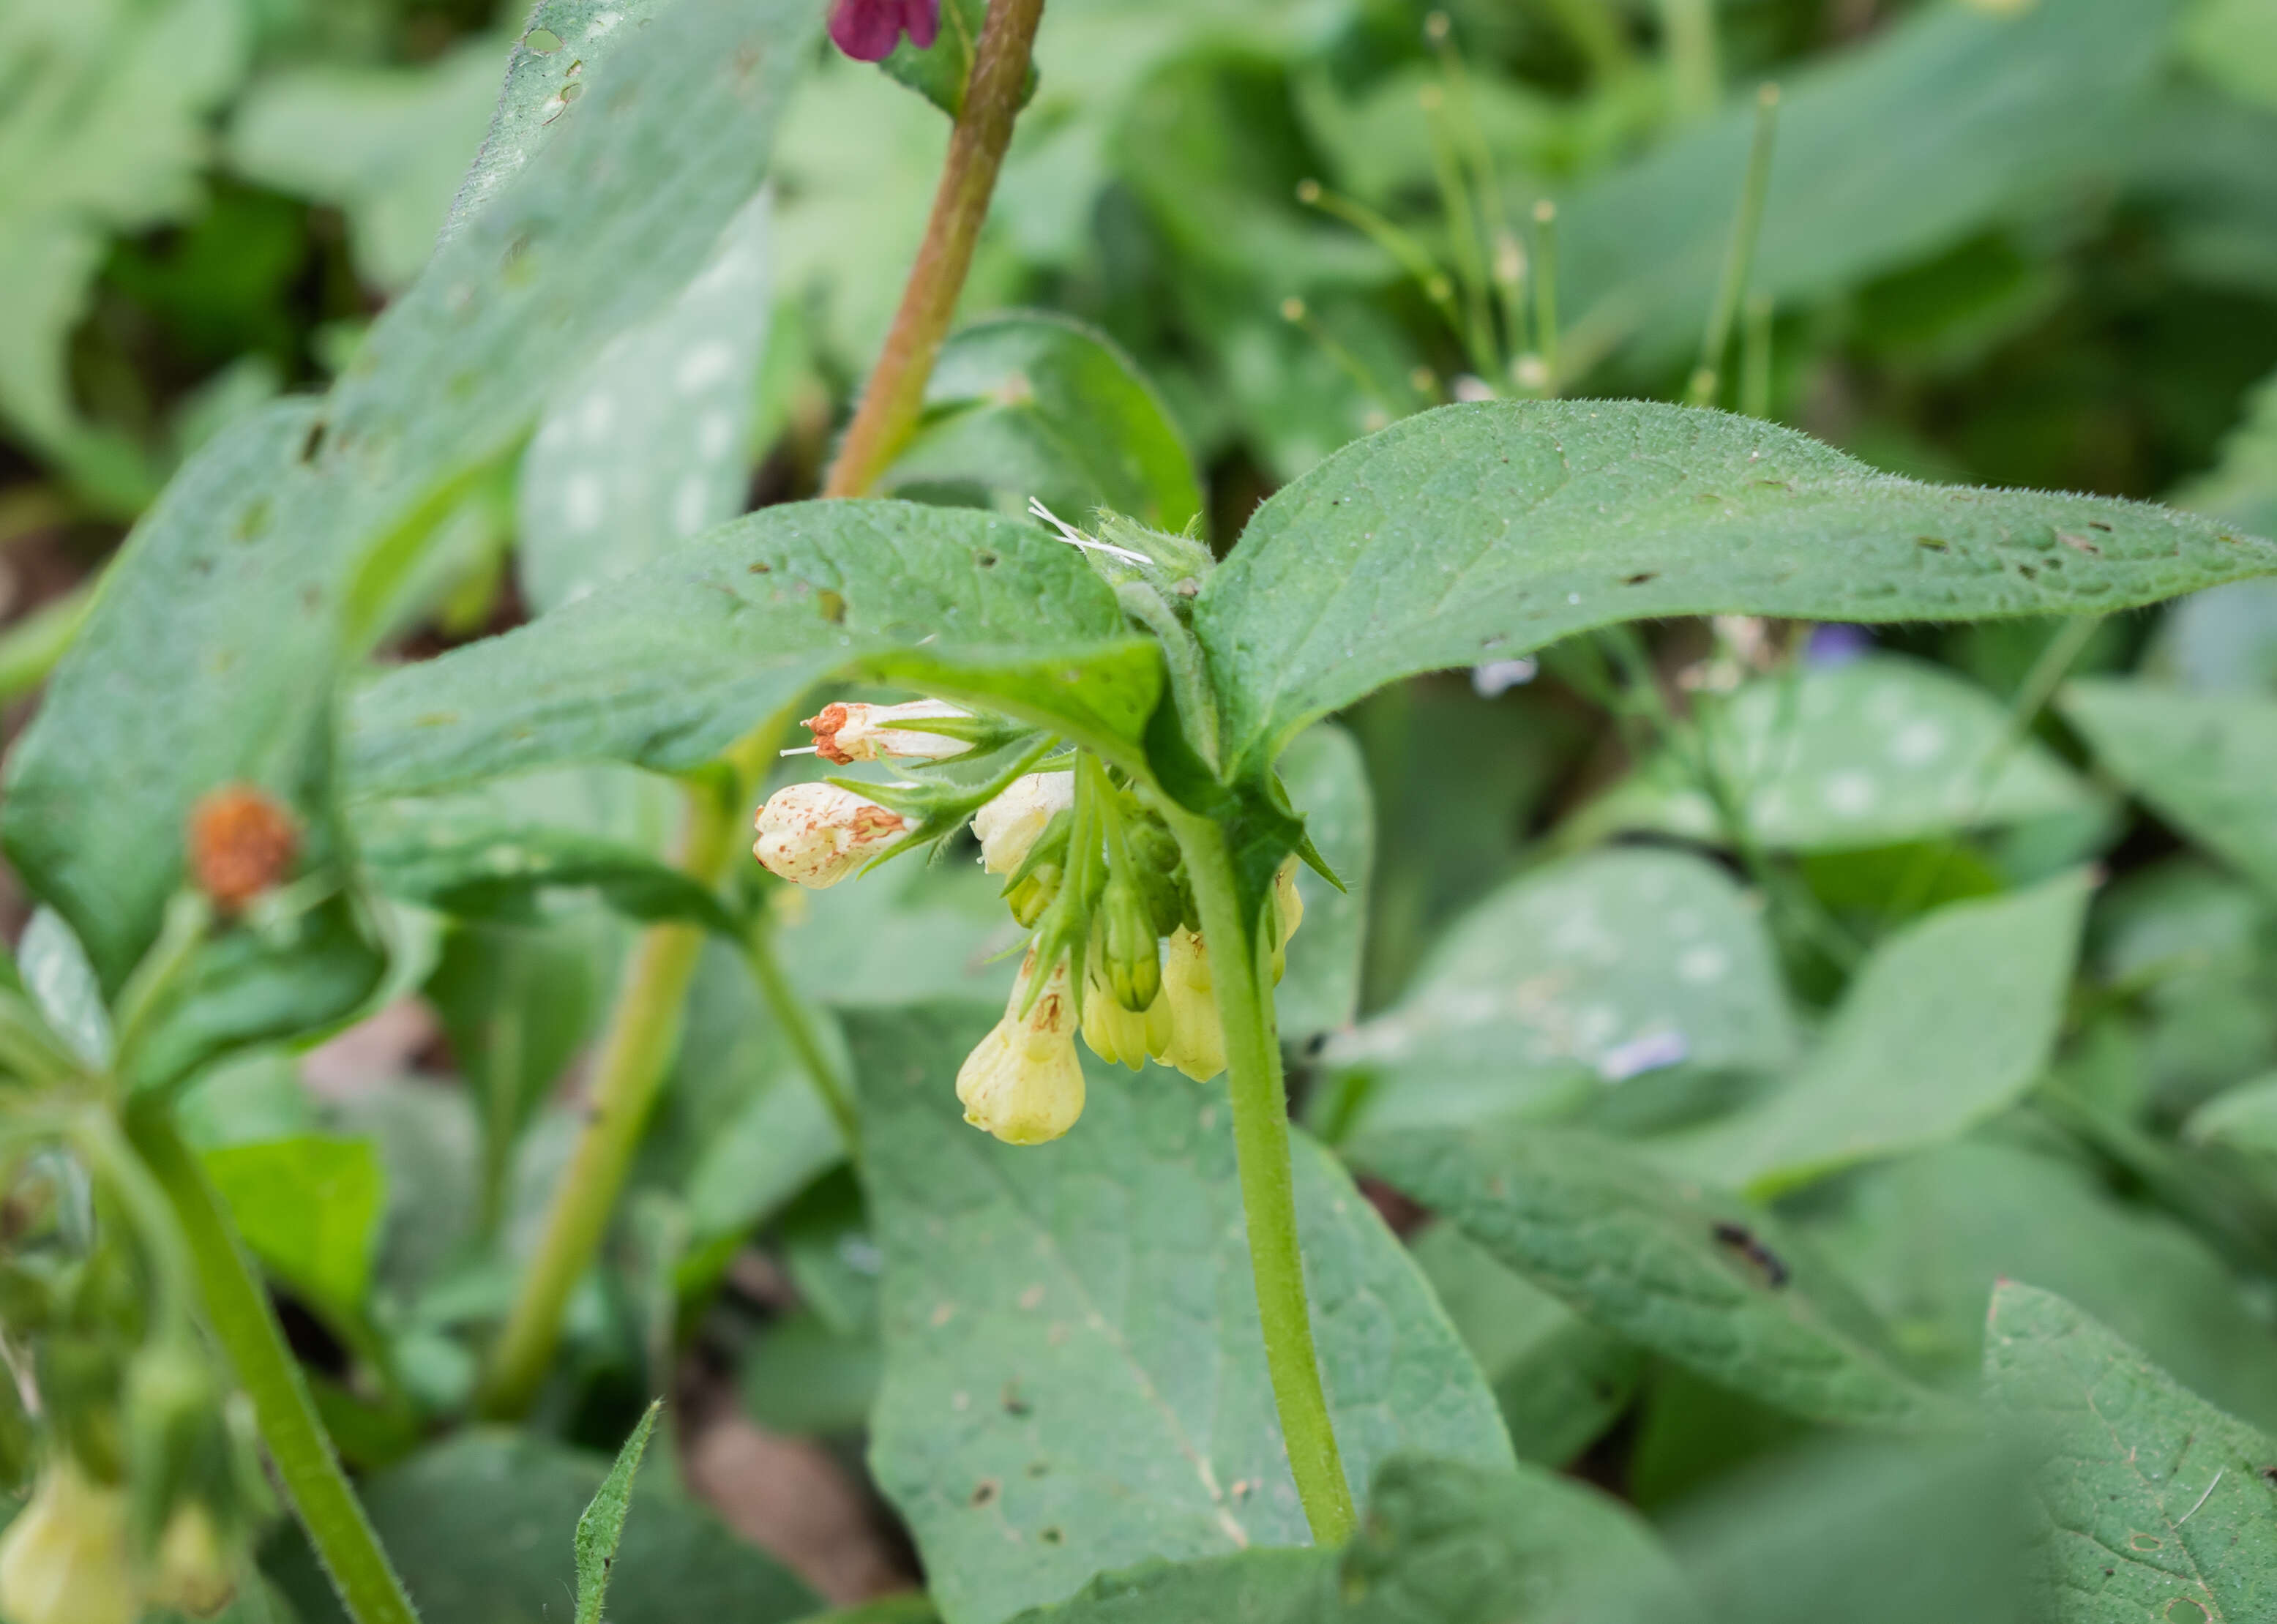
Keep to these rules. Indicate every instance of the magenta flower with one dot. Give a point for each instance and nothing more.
(868, 30)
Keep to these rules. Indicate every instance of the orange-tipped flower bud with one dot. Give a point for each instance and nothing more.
(816, 835)
(242, 844)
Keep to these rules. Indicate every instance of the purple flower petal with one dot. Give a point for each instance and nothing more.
(922, 18)
(866, 30)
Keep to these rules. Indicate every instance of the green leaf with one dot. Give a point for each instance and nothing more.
(309, 1206)
(481, 851)
(1482, 531)
(2157, 1504)
(941, 70)
(1038, 405)
(2243, 1119)
(2234, 42)
(1994, 111)
(1559, 1380)
(1703, 1278)
(601, 1525)
(480, 1527)
(1072, 1353)
(1327, 785)
(102, 131)
(2207, 763)
(387, 146)
(1568, 980)
(1927, 1235)
(668, 667)
(62, 983)
(652, 444)
(1870, 753)
(1948, 1023)
(212, 652)
(801, 1378)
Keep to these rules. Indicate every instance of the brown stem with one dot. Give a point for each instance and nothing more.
(896, 394)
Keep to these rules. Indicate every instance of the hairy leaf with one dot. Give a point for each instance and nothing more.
(1481, 531)
(1704, 1279)
(1034, 404)
(2158, 1504)
(1949, 1021)
(1073, 1373)
(2206, 762)
(1569, 980)
(601, 1525)
(668, 667)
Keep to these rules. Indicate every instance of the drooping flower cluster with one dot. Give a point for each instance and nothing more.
(1088, 864)
(868, 30)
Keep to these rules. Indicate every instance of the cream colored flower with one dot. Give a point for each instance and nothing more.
(1023, 1083)
(192, 1576)
(844, 733)
(1115, 1034)
(816, 835)
(1010, 826)
(64, 1559)
(1197, 1045)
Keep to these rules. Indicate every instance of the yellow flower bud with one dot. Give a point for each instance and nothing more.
(844, 733)
(192, 1576)
(1008, 826)
(1115, 1034)
(816, 835)
(1288, 913)
(1197, 1045)
(63, 1559)
(1023, 1083)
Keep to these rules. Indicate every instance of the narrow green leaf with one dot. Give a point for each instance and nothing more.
(1948, 1023)
(1871, 752)
(309, 1206)
(1073, 1374)
(2243, 1119)
(1706, 1280)
(1038, 405)
(2158, 1506)
(602, 1524)
(1572, 980)
(668, 667)
(2206, 762)
(1482, 531)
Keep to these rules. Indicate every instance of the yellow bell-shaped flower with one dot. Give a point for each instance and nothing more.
(1023, 1083)
(63, 1559)
(1197, 1045)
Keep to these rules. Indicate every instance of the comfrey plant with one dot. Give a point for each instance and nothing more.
(236, 819)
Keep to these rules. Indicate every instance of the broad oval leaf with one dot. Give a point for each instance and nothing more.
(1705, 1279)
(1481, 531)
(2207, 762)
(1569, 980)
(1074, 1378)
(1327, 784)
(1870, 752)
(1950, 1020)
(666, 667)
(2159, 1505)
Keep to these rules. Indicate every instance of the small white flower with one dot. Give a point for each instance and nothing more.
(1023, 1083)
(63, 1559)
(1010, 826)
(844, 733)
(816, 835)
(1197, 1045)
(1115, 1034)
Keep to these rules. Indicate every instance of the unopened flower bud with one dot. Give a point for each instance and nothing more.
(1115, 1034)
(1288, 913)
(816, 835)
(63, 1559)
(1033, 894)
(242, 844)
(1126, 946)
(1023, 1083)
(191, 1572)
(1008, 826)
(1197, 1045)
(844, 733)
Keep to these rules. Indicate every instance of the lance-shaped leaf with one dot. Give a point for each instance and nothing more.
(1948, 1022)
(1481, 531)
(668, 666)
(1704, 1278)
(1074, 1378)
(212, 652)
(2158, 1506)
